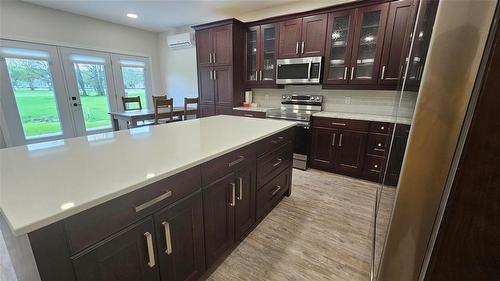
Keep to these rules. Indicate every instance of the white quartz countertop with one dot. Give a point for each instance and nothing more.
(366, 117)
(43, 183)
(255, 108)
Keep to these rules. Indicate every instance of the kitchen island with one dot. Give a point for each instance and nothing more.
(151, 203)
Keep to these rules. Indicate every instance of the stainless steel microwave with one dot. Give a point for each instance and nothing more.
(298, 71)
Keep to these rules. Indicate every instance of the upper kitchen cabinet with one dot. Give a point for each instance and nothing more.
(302, 37)
(260, 54)
(368, 41)
(220, 71)
(396, 41)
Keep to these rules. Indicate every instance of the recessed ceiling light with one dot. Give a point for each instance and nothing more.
(132, 16)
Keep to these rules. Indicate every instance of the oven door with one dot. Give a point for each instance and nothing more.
(298, 71)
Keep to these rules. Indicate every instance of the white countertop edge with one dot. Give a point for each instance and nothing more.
(256, 109)
(365, 117)
(24, 229)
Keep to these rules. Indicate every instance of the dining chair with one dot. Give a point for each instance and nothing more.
(190, 112)
(158, 97)
(162, 103)
(127, 101)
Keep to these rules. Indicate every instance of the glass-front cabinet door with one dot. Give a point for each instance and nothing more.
(267, 72)
(368, 41)
(339, 40)
(260, 55)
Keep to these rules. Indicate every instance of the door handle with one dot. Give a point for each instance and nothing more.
(333, 139)
(345, 73)
(240, 184)
(260, 75)
(211, 75)
(302, 48)
(233, 195)
(210, 58)
(214, 57)
(168, 238)
(297, 48)
(151, 253)
(340, 141)
(383, 73)
(256, 75)
(215, 74)
(352, 73)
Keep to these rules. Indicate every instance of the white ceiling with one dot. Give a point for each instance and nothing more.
(161, 15)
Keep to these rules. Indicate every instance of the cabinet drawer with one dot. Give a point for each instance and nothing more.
(373, 168)
(248, 113)
(355, 125)
(273, 142)
(381, 127)
(270, 193)
(377, 144)
(91, 226)
(273, 163)
(221, 166)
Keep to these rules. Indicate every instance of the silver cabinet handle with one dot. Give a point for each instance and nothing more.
(345, 73)
(153, 201)
(211, 75)
(233, 195)
(241, 158)
(297, 48)
(279, 139)
(383, 73)
(302, 48)
(151, 253)
(168, 239)
(210, 58)
(213, 56)
(333, 139)
(240, 184)
(278, 187)
(248, 115)
(352, 73)
(278, 161)
(256, 75)
(338, 124)
(260, 75)
(340, 141)
(215, 74)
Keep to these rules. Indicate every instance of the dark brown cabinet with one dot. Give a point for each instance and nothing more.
(244, 213)
(219, 56)
(129, 255)
(219, 199)
(261, 45)
(302, 37)
(322, 147)
(396, 41)
(180, 240)
(349, 152)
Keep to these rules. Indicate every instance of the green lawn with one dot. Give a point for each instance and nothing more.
(39, 113)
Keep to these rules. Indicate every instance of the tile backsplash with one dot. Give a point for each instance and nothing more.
(379, 102)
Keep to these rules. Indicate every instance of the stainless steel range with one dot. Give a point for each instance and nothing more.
(299, 108)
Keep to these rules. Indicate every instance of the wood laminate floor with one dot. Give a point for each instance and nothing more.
(322, 232)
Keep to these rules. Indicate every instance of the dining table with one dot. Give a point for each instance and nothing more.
(137, 115)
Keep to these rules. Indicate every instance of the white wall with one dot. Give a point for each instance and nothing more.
(178, 67)
(28, 22)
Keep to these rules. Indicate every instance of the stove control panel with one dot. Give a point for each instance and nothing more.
(302, 99)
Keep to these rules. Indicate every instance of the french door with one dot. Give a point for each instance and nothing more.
(91, 89)
(49, 93)
(32, 94)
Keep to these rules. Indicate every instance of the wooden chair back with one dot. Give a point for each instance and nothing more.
(160, 104)
(190, 111)
(130, 100)
(158, 97)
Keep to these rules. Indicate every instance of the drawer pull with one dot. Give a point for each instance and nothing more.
(278, 140)
(240, 184)
(338, 124)
(151, 253)
(168, 239)
(278, 187)
(248, 115)
(153, 201)
(233, 195)
(241, 158)
(278, 161)
(378, 149)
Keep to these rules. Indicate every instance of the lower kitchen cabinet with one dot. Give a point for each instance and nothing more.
(180, 240)
(322, 147)
(349, 152)
(219, 199)
(129, 255)
(244, 213)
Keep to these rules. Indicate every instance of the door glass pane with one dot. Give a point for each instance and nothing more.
(134, 83)
(35, 97)
(252, 55)
(92, 88)
(367, 45)
(338, 49)
(269, 54)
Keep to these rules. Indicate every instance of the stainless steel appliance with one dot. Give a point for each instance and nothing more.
(299, 108)
(298, 71)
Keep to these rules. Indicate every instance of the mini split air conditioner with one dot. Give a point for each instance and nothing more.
(182, 40)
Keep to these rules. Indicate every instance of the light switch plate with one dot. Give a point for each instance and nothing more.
(347, 100)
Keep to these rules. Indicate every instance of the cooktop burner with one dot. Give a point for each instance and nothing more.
(297, 107)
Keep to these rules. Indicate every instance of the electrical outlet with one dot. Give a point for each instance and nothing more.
(347, 100)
